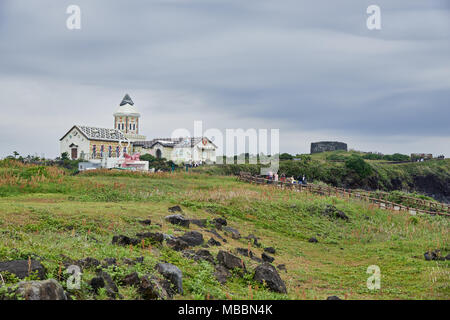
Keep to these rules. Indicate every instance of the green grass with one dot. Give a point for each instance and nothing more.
(77, 216)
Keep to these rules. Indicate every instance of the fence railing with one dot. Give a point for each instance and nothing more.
(376, 198)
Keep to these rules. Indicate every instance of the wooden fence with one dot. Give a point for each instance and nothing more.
(376, 198)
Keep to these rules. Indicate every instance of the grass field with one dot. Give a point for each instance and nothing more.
(46, 213)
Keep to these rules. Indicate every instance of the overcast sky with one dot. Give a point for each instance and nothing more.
(311, 69)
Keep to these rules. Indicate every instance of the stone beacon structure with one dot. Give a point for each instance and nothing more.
(94, 144)
(323, 146)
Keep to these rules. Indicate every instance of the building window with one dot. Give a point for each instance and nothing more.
(102, 149)
(94, 151)
(134, 126)
(109, 151)
(117, 151)
(124, 150)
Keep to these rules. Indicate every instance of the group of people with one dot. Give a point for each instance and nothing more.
(301, 179)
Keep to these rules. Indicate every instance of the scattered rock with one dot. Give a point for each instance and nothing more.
(220, 222)
(122, 240)
(222, 274)
(21, 268)
(131, 279)
(234, 232)
(40, 290)
(447, 257)
(153, 236)
(146, 222)
(254, 239)
(177, 244)
(282, 267)
(173, 274)
(266, 273)
(214, 232)
(104, 280)
(178, 219)
(434, 255)
(245, 252)
(313, 240)
(214, 242)
(199, 222)
(192, 238)
(175, 209)
(333, 212)
(88, 263)
(150, 288)
(266, 258)
(333, 298)
(109, 262)
(203, 254)
(270, 250)
(230, 261)
(257, 259)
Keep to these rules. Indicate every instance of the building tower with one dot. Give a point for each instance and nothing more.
(126, 119)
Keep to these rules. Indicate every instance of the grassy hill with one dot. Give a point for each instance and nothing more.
(431, 178)
(51, 216)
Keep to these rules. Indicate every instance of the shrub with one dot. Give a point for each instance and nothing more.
(357, 164)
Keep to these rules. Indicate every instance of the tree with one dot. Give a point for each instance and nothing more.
(286, 156)
(64, 156)
(15, 153)
(358, 165)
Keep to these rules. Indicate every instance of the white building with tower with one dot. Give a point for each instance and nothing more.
(95, 144)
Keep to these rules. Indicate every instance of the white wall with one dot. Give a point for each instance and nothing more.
(75, 137)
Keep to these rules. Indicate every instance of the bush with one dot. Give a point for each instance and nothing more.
(357, 164)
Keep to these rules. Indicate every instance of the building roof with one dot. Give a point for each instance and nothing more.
(172, 142)
(94, 133)
(127, 108)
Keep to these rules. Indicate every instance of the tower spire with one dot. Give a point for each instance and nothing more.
(127, 100)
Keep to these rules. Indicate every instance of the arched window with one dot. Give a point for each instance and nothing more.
(158, 154)
(117, 151)
(94, 151)
(109, 151)
(102, 150)
(124, 150)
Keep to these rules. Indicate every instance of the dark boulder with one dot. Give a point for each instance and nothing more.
(333, 212)
(213, 242)
(104, 280)
(333, 298)
(230, 261)
(109, 262)
(245, 252)
(192, 238)
(203, 254)
(199, 222)
(222, 274)
(131, 279)
(87, 263)
(154, 237)
(270, 250)
(24, 268)
(177, 244)
(433, 255)
(178, 219)
(173, 274)
(266, 273)
(282, 267)
(40, 290)
(146, 222)
(313, 240)
(150, 288)
(122, 240)
(254, 240)
(175, 209)
(234, 232)
(219, 223)
(266, 258)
